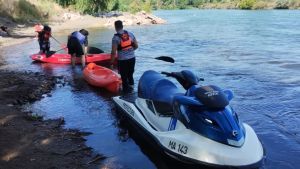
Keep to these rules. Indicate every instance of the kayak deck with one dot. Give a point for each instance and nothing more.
(102, 77)
(60, 58)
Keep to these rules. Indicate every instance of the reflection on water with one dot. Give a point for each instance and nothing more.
(254, 53)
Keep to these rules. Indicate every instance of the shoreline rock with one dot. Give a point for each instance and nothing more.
(140, 18)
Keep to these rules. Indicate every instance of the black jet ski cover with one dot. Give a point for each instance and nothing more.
(212, 97)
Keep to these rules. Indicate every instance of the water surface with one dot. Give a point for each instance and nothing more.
(254, 53)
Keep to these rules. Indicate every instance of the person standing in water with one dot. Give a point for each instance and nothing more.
(76, 41)
(44, 34)
(124, 44)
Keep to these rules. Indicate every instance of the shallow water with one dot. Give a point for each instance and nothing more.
(254, 53)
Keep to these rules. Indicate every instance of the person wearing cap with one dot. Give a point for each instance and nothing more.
(76, 41)
(124, 44)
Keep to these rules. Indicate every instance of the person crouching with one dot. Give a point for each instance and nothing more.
(44, 39)
(76, 41)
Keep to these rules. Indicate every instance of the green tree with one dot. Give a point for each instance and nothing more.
(246, 4)
(86, 6)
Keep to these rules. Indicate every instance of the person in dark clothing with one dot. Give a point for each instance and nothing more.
(4, 31)
(44, 39)
(124, 44)
(76, 41)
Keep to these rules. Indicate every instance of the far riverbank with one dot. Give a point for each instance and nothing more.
(21, 33)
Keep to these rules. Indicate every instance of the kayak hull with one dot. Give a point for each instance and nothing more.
(60, 58)
(102, 77)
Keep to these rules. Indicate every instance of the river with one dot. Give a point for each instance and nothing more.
(254, 53)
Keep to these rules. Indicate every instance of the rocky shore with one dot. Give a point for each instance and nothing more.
(140, 18)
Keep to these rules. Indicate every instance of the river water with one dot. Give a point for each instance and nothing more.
(254, 53)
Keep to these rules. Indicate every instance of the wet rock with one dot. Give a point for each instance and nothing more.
(19, 102)
(33, 117)
(55, 123)
(15, 102)
(59, 77)
(140, 18)
(97, 158)
(32, 97)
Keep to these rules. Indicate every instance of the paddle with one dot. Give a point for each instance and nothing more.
(64, 46)
(56, 40)
(94, 50)
(166, 59)
(163, 58)
(50, 53)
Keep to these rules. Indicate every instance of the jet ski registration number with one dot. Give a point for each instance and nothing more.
(180, 148)
(128, 109)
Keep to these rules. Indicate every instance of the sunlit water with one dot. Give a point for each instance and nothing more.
(254, 53)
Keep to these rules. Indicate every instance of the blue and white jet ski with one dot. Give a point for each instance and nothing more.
(198, 126)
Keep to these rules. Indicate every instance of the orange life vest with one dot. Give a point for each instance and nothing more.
(126, 41)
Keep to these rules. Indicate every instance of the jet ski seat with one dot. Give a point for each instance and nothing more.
(155, 87)
(163, 109)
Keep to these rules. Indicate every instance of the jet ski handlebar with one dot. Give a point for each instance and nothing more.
(186, 78)
(177, 74)
(167, 73)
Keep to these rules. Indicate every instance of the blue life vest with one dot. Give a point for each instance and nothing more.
(81, 38)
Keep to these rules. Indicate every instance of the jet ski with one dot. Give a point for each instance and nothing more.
(195, 126)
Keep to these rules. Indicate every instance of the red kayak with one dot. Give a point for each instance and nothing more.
(66, 58)
(102, 77)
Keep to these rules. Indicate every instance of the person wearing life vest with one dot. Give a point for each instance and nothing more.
(76, 41)
(124, 44)
(44, 34)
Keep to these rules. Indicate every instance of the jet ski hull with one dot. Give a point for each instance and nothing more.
(188, 147)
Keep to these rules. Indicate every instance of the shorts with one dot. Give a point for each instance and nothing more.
(74, 47)
(44, 46)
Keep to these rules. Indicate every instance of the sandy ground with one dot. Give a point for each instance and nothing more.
(22, 33)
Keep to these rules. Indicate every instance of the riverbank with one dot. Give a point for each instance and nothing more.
(29, 142)
(21, 33)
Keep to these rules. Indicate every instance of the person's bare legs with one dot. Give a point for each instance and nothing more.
(73, 59)
(83, 61)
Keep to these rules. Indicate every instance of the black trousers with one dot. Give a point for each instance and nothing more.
(126, 70)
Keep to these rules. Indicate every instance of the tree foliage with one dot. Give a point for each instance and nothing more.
(94, 6)
(247, 4)
(86, 6)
